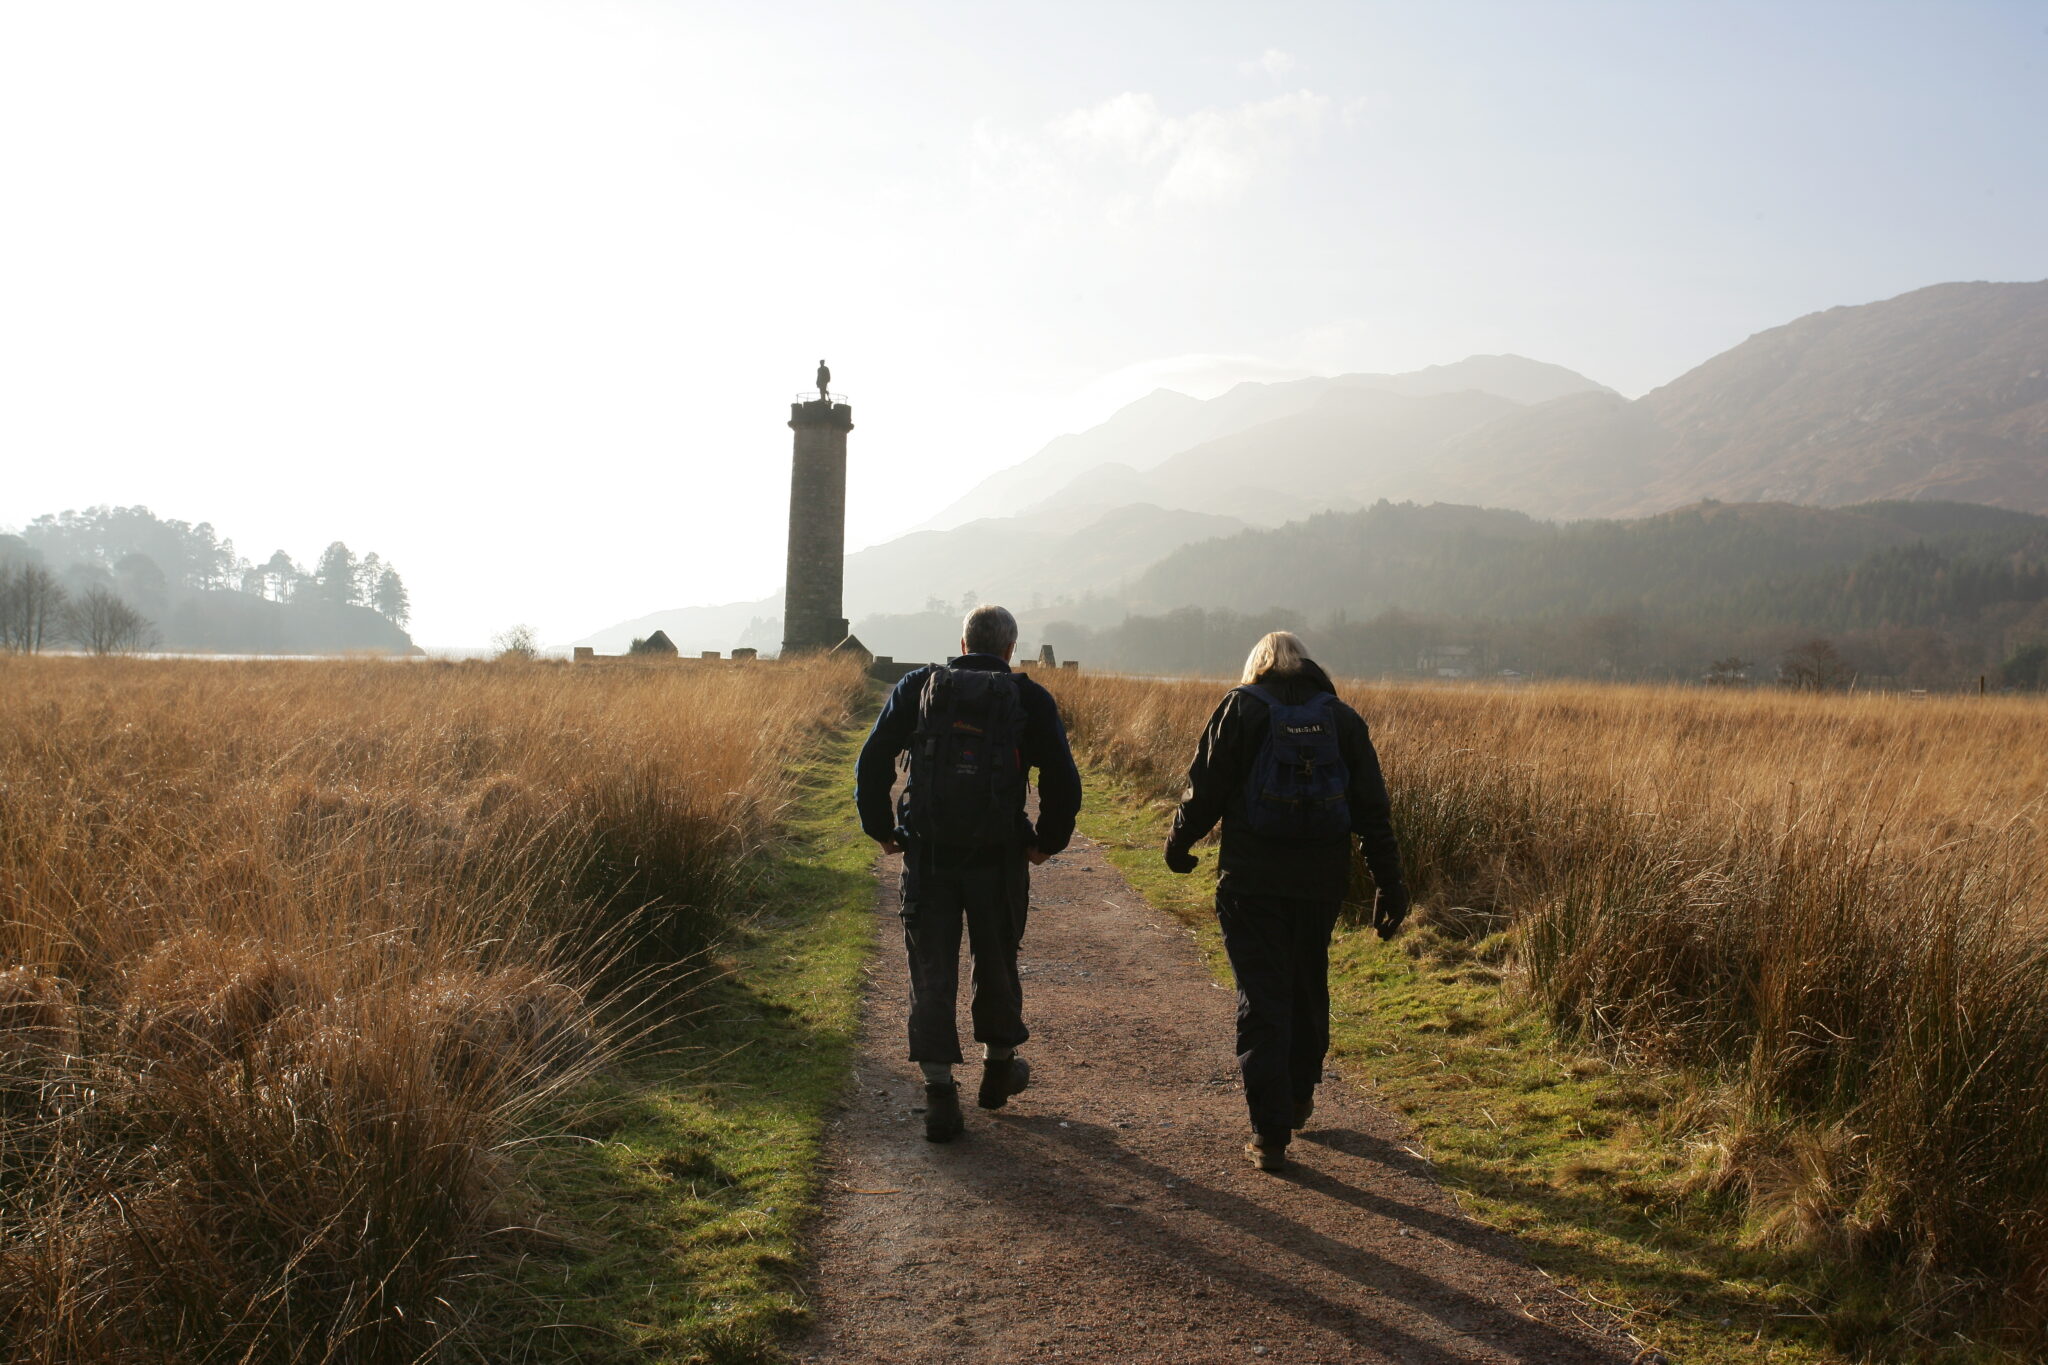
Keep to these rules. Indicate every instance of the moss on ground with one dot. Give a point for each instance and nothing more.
(1581, 1160)
(677, 1190)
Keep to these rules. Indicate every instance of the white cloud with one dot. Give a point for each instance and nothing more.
(1129, 124)
(1114, 157)
(1273, 62)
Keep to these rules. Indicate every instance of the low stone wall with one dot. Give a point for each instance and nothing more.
(884, 669)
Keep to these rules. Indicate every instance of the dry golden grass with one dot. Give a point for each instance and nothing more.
(288, 951)
(1826, 910)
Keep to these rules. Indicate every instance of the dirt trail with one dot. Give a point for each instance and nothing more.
(1107, 1214)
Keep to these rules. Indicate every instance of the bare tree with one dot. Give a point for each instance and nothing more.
(31, 607)
(520, 643)
(102, 623)
(1816, 666)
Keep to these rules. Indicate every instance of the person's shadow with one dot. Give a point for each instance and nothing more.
(1092, 1162)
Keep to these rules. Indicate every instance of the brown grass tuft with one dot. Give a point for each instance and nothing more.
(1831, 913)
(289, 952)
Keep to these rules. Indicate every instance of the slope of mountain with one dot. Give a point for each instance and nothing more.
(1353, 445)
(1712, 560)
(1937, 394)
(1163, 423)
(1940, 393)
(1029, 561)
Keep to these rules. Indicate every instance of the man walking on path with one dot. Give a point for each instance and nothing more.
(974, 731)
(1291, 772)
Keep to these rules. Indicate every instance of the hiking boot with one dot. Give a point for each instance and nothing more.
(1002, 1077)
(1304, 1110)
(942, 1118)
(1268, 1151)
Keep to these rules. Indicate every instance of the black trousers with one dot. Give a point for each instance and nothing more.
(991, 896)
(1280, 953)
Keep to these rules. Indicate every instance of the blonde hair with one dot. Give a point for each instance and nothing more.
(1279, 652)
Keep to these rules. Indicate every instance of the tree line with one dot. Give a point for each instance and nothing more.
(108, 578)
(1892, 594)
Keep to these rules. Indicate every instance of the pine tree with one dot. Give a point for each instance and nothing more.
(389, 597)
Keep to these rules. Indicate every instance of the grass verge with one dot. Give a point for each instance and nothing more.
(678, 1187)
(1574, 1156)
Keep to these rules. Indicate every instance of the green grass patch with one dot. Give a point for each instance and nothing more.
(674, 1194)
(1585, 1161)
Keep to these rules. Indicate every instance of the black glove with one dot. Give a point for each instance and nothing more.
(1180, 860)
(1389, 908)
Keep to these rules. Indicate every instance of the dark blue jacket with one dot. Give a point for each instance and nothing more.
(1248, 863)
(1044, 748)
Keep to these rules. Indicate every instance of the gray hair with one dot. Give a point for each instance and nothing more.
(989, 629)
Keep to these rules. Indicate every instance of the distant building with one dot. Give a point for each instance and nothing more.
(1451, 661)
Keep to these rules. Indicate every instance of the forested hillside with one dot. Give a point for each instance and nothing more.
(190, 589)
(1926, 594)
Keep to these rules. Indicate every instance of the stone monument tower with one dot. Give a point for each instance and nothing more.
(811, 597)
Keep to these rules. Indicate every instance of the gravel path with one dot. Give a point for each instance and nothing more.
(1107, 1214)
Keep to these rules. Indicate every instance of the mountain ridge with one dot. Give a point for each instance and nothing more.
(1938, 393)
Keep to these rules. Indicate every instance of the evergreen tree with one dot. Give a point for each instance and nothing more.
(390, 598)
(280, 577)
(335, 579)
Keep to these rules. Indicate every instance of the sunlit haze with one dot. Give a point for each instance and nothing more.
(517, 294)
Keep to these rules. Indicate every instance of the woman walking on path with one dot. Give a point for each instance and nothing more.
(1290, 771)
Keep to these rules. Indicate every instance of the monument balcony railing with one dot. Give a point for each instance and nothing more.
(830, 396)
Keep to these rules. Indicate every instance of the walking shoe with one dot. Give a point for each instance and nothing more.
(1001, 1078)
(1304, 1110)
(942, 1118)
(1268, 1153)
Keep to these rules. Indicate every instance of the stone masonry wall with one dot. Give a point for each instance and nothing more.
(813, 588)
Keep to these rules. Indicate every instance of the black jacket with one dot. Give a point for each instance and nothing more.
(1044, 748)
(1319, 870)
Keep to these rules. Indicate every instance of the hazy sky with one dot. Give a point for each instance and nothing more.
(517, 293)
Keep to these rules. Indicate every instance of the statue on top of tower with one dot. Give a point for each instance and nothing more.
(824, 380)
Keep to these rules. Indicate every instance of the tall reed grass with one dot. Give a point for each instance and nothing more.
(1831, 912)
(290, 951)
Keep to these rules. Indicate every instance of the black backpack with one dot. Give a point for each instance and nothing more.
(966, 761)
(1298, 785)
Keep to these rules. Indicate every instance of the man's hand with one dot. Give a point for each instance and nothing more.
(1031, 852)
(1180, 860)
(889, 846)
(1388, 910)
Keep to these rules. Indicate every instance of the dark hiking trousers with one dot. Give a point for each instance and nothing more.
(1280, 953)
(991, 895)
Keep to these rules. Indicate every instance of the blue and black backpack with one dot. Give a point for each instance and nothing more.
(966, 785)
(1298, 783)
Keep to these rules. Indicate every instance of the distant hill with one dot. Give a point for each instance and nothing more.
(1934, 592)
(1706, 561)
(1941, 393)
(1164, 423)
(197, 593)
(1937, 395)
(1033, 561)
(1347, 449)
